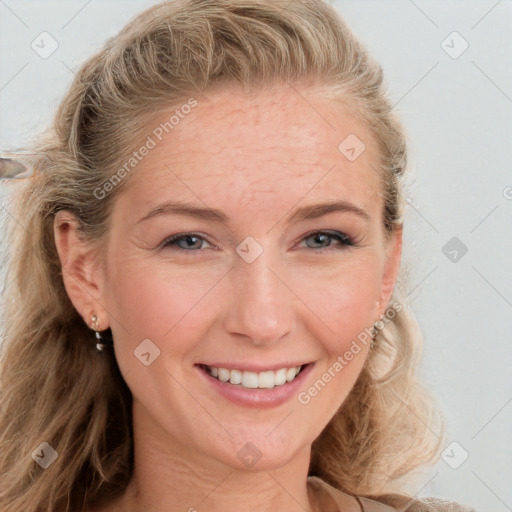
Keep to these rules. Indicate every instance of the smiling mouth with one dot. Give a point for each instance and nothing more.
(254, 380)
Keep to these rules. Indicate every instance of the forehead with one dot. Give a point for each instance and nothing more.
(277, 146)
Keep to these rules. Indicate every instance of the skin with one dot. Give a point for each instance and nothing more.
(257, 159)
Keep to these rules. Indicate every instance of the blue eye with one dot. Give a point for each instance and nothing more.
(321, 237)
(193, 242)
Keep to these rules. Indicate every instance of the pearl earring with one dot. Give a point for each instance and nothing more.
(374, 335)
(101, 342)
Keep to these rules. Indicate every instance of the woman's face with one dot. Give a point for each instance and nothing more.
(262, 278)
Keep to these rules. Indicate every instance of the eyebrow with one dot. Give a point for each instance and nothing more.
(212, 214)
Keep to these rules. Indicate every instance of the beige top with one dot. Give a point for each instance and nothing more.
(326, 498)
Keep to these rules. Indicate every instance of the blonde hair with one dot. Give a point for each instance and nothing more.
(55, 387)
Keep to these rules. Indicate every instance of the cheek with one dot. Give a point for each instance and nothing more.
(165, 302)
(345, 301)
(346, 305)
(155, 302)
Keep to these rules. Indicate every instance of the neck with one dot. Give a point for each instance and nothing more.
(169, 476)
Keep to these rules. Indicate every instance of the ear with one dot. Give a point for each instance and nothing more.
(390, 269)
(80, 271)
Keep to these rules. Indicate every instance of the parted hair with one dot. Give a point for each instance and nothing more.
(54, 386)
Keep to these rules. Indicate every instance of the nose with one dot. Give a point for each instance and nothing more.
(261, 308)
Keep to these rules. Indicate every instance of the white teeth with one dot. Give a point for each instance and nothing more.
(252, 380)
(290, 374)
(280, 377)
(235, 377)
(223, 374)
(266, 379)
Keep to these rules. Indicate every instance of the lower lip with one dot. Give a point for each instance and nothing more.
(257, 398)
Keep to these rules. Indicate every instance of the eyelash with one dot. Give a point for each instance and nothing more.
(342, 238)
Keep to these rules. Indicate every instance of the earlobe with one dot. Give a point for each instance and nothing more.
(78, 264)
(390, 270)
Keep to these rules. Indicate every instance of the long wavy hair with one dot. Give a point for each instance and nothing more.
(54, 386)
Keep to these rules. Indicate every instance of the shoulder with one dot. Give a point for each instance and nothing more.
(384, 503)
(397, 502)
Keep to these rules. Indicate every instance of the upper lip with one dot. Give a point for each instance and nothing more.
(252, 367)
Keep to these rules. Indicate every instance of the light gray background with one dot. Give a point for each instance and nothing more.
(458, 112)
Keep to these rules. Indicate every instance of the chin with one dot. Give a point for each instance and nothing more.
(263, 453)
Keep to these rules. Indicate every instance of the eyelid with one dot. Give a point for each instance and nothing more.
(331, 232)
(168, 240)
(344, 240)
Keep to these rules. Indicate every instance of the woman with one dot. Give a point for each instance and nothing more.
(220, 203)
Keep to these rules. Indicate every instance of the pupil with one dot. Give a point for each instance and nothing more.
(319, 237)
(189, 240)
